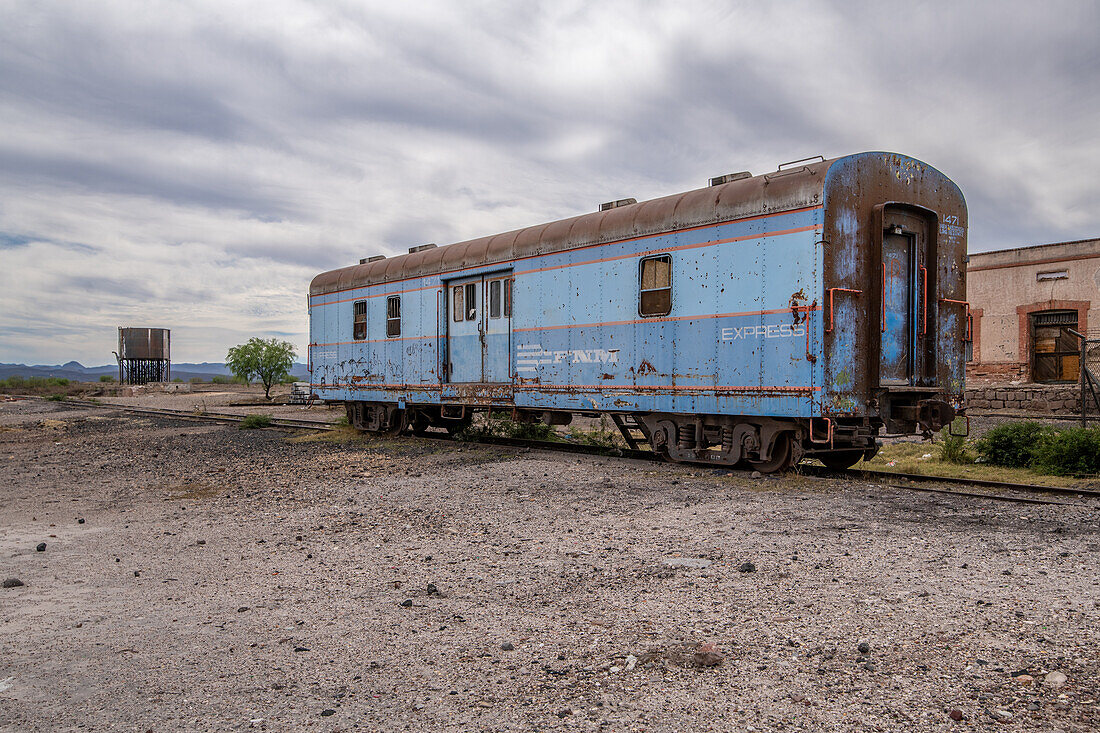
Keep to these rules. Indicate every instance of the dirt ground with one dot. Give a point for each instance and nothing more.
(224, 579)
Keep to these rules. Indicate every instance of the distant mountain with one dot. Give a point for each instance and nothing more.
(77, 372)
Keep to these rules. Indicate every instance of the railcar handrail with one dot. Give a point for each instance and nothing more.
(801, 160)
(831, 291)
(962, 303)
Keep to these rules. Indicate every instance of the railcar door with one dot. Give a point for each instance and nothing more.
(896, 360)
(497, 357)
(464, 331)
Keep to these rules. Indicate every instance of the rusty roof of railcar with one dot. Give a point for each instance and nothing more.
(775, 192)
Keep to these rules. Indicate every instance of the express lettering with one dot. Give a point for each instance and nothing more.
(780, 330)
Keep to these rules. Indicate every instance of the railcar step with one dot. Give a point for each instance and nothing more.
(633, 433)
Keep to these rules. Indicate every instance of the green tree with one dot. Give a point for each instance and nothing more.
(268, 360)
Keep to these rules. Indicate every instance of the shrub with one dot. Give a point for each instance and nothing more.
(1013, 444)
(195, 380)
(953, 448)
(255, 421)
(1069, 452)
(219, 379)
(106, 378)
(500, 424)
(20, 382)
(178, 380)
(56, 398)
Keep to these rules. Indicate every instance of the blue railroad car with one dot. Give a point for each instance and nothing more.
(757, 320)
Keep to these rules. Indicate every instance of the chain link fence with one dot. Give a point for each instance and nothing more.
(1090, 364)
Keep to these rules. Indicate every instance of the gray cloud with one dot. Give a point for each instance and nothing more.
(193, 164)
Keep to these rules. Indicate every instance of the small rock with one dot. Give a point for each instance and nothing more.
(327, 712)
(41, 547)
(201, 542)
(137, 573)
(1054, 679)
(564, 713)
(507, 647)
(747, 567)
(80, 521)
(864, 648)
(757, 474)
(956, 715)
(407, 603)
(301, 648)
(1025, 679)
(1032, 706)
(1002, 716)
(797, 697)
(12, 582)
(631, 662)
(242, 609)
(707, 655)
(869, 667)
(432, 589)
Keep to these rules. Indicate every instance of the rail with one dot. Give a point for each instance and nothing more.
(883, 477)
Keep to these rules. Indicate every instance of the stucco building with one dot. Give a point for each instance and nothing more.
(1021, 303)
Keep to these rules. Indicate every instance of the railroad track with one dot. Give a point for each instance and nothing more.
(884, 477)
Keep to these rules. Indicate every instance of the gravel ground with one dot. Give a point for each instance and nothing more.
(226, 579)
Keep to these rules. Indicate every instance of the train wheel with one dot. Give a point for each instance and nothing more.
(840, 459)
(397, 422)
(781, 455)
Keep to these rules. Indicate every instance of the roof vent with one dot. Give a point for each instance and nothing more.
(375, 258)
(730, 177)
(421, 248)
(616, 204)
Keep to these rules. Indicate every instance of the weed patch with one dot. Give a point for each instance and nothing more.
(498, 424)
(253, 422)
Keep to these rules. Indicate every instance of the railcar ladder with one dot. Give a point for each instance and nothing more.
(632, 431)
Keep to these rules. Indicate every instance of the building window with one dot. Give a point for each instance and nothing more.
(359, 326)
(393, 316)
(494, 298)
(655, 280)
(1053, 275)
(508, 298)
(1055, 353)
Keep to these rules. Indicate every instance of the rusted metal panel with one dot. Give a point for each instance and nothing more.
(144, 343)
(864, 195)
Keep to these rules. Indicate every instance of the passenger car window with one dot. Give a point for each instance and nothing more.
(359, 326)
(471, 301)
(393, 316)
(655, 286)
(508, 298)
(456, 297)
(494, 299)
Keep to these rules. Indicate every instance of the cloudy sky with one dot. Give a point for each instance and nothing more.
(193, 164)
